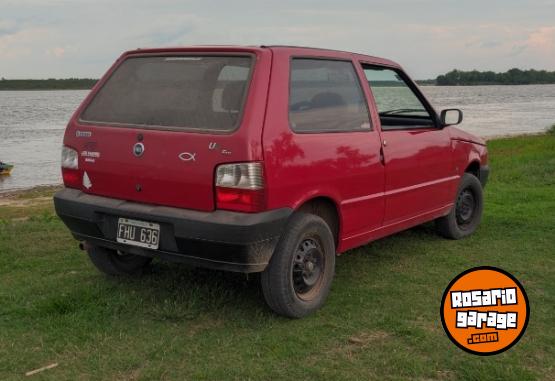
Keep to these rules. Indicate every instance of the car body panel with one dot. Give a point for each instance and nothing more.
(419, 172)
(177, 167)
(342, 166)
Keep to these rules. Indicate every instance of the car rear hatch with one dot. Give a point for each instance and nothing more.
(159, 123)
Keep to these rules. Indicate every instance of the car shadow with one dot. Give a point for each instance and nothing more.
(177, 292)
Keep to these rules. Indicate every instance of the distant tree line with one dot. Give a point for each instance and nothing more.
(426, 82)
(47, 84)
(511, 77)
(452, 78)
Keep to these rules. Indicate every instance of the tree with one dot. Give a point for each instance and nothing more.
(513, 76)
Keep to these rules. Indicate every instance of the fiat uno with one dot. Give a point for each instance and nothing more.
(269, 159)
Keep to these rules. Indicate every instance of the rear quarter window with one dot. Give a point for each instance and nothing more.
(176, 92)
(326, 96)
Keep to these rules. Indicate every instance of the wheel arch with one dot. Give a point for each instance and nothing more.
(327, 209)
(474, 168)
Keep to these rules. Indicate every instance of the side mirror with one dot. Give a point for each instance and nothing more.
(451, 117)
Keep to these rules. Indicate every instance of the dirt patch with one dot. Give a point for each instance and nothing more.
(204, 325)
(24, 202)
(132, 375)
(26, 198)
(39, 191)
(357, 343)
(21, 205)
(366, 338)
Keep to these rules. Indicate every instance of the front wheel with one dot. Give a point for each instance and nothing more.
(466, 214)
(112, 262)
(299, 275)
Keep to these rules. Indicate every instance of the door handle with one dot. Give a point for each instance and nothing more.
(382, 157)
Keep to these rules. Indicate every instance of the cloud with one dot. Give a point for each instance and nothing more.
(61, 38)
(21, 43)
(7, 27)
(517, 49)
(169, 30)
(490, 44)
(56, 52)
(539, 42)
(543, 38)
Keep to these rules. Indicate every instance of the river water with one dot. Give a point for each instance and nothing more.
(32, 122)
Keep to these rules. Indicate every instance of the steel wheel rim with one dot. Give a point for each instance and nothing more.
(465, 208)
(308, 268)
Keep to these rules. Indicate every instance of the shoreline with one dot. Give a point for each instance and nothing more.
(31, 192)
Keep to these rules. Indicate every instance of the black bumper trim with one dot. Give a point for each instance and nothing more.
(221, 239)
(176, 257)
(484, 175)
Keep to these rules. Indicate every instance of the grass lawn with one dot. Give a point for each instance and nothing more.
(381, 320)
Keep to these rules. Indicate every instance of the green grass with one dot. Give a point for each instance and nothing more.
(381, 320)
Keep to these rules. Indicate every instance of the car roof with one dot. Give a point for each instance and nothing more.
(308, 50)
(290, 49)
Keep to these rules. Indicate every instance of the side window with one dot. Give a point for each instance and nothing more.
(398, 106)
(326, 96)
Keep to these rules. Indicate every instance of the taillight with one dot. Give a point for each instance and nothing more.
(240, 187)
(70, 168)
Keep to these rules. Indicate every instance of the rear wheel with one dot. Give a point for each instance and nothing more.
(466, 214)
(112, 262)
(299, 275)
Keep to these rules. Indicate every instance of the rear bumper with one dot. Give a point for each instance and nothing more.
(484, 175)
(242, 242)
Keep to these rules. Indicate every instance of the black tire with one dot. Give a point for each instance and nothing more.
(299, 275)
(466, 214)
(111, 262)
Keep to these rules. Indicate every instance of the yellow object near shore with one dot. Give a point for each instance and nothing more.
(5, 169)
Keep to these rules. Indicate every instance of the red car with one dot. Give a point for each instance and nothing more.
(268, 159)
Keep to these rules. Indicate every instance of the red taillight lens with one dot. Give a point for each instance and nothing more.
(240, 200)
(72, 177)
(240, 187)
(70, 168)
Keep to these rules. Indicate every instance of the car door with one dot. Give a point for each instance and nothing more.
(417, 152)
(325, 144)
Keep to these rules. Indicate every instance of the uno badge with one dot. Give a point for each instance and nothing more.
(485, 310)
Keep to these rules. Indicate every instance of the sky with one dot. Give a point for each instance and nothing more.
(81, 38)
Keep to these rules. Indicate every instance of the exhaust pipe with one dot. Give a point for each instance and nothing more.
(84, 245)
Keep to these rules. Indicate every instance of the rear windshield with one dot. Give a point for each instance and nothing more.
(189, 92)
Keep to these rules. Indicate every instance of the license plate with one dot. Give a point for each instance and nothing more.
(138, 233)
